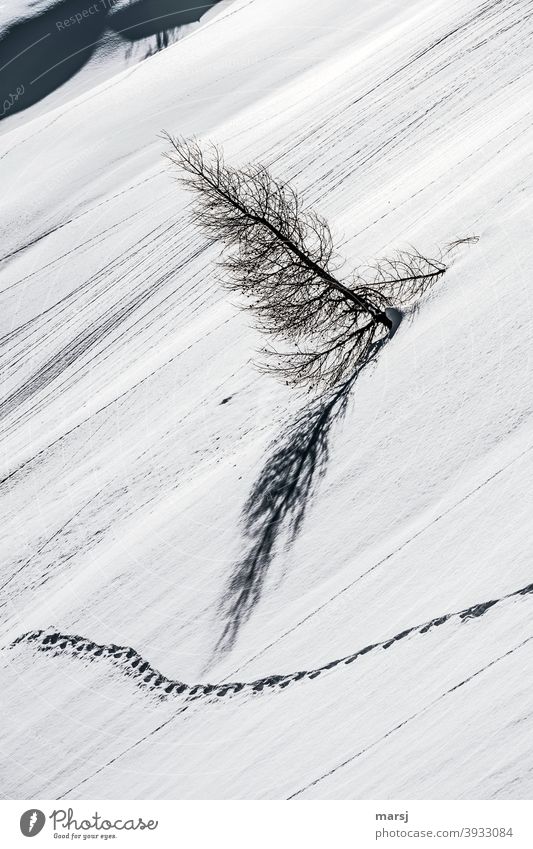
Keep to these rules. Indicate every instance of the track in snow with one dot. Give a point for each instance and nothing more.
(132, 664)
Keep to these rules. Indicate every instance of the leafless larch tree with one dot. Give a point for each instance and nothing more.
(280, 256)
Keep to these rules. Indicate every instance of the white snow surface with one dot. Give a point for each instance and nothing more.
(124, 477)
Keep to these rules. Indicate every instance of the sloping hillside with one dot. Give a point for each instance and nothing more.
(384, 652)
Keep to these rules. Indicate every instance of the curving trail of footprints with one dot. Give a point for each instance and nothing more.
(132, 664)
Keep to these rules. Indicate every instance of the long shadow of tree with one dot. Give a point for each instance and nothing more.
(280, 497)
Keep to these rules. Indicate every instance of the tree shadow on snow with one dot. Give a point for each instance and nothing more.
(280, 496)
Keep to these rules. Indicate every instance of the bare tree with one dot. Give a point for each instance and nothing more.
(282, 259)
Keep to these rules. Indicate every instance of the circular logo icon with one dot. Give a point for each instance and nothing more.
(32, 822)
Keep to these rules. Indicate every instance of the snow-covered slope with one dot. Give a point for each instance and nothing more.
(53, 50)
(135, 426)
